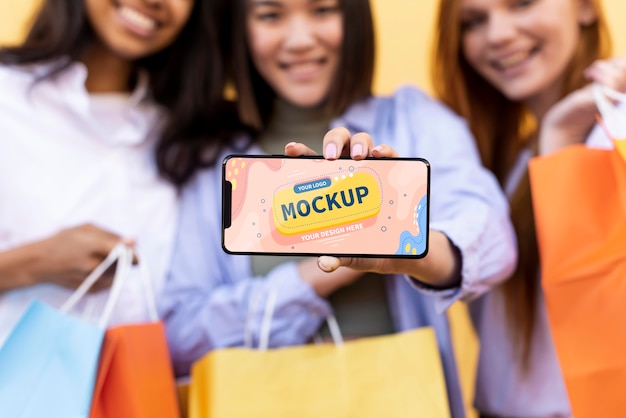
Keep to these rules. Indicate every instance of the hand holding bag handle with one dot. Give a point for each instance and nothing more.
(613, 120)
(119, 254)
(124, 257)
(37, 379)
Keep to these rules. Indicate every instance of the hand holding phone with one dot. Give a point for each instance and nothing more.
(440, 268)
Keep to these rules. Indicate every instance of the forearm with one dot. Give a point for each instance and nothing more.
(487, 256)
(205, 312)
(19, 267)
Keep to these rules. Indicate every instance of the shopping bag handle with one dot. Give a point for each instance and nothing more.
(147, 287)
(92, 278)
(124, 256)
(266, 324)
(614, 124)
(125, 263)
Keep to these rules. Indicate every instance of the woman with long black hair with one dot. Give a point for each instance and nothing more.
(105, 109)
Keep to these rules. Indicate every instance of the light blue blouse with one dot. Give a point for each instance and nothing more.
(211, 299)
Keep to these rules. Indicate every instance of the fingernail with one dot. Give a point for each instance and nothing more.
(357, 150)
(325, 263)
(377, 148)
(289, 144)
(331, 151)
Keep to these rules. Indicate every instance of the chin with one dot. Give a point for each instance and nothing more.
(522, 90)
(517, 94)
(306, 103)
(309, 105)
(132, 55)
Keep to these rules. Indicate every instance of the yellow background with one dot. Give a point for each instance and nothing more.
(404, 28)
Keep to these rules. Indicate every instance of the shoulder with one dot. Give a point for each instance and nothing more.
(414, 100)
(34, 71)
(17, 82)
(407, 104)
(413, 122)
(12, 77)
(416, 111)
(16, 85)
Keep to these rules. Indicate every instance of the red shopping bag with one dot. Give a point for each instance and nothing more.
(135, 375)
(579, 199)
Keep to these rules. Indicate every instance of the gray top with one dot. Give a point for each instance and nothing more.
(361, 308)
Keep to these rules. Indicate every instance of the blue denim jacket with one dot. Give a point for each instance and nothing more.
(211, 299)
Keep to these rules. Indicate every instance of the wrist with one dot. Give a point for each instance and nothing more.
(325, 283)
(442, 267)
(319, 283)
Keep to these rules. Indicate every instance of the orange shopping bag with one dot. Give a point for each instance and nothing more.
(579, 198)
(135, 375)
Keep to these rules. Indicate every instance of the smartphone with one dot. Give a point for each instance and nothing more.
(279, 205)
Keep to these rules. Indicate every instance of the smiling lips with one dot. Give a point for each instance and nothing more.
(137, 21)
(512, 60)
(303, 69)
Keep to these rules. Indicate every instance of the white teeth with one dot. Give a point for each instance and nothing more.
(513, 60)
(305, 66)
(138, 19)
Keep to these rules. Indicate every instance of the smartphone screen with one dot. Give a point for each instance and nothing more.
(282, 205)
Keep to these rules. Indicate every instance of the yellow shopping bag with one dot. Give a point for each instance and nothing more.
(398, 375)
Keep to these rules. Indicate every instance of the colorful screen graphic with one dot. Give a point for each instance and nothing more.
(279, 205)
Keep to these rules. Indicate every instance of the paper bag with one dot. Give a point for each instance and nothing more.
(397, 375)
(579, 199)
(49, 362)
(135, 377)
(48, 365)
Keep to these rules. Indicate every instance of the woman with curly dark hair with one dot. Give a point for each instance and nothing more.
(105, 109)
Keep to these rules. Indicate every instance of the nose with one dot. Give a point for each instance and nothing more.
(300, 34)
(500, 29)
